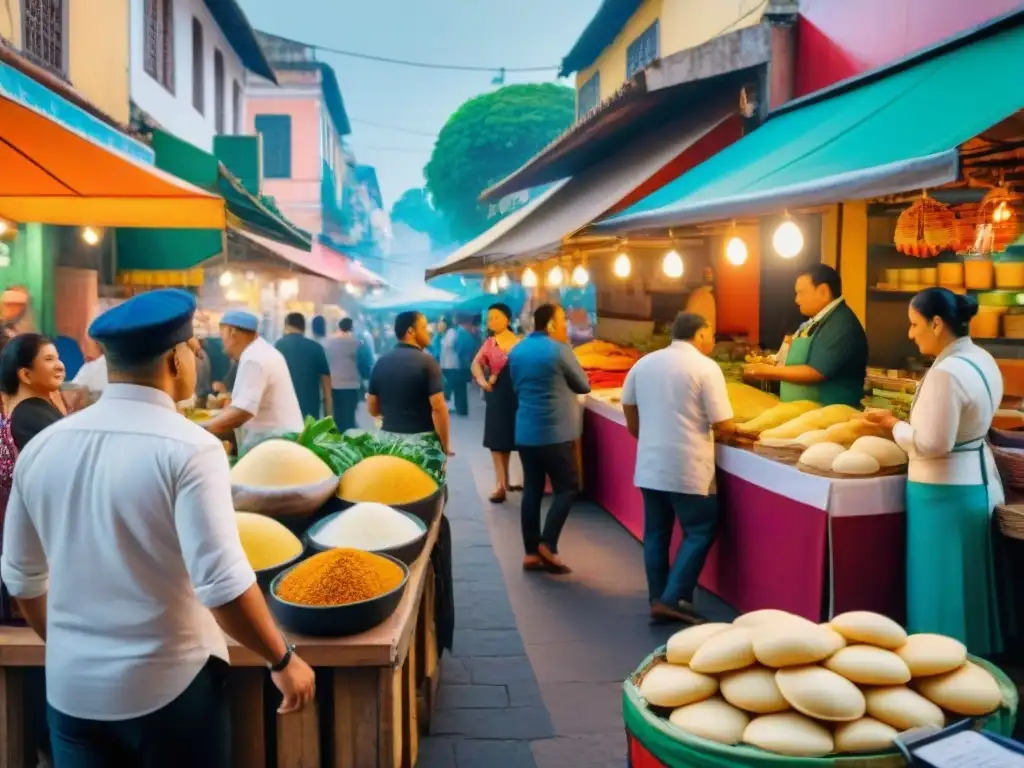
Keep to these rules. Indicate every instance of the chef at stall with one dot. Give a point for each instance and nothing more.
(263, 399)
(826, 359)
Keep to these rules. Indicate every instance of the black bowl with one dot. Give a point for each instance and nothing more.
(407, 552)
(427, 510)
(336, 620)
(266, 575)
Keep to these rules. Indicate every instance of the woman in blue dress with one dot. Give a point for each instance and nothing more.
(953, 484)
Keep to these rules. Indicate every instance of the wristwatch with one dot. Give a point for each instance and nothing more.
(285, 660)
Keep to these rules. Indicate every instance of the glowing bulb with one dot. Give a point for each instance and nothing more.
(90, 236)
(3, 227)
(503, 281)
(788, 240)
(580, 276)
(736, 251)
(529, 279)
(492, 285)
(622, 266)
(1002, 213)
(555, 276)
(672, 265)
(225, 279)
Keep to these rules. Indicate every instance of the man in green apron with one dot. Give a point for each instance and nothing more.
(826, 359)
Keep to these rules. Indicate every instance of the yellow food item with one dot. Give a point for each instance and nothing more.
(885, 452)
(870, 628)
(790, 644)
(748, 402)
(713, 719)
(724, 652)
(753, 690)
(386, 480)
(855, 463)
(864, 735)
(819, 418)
(816, 692)
(593, 362)
(902, 708)
(837, 640)
(847, 432)
(280, 464)
(968, 691)
(684, 643)
(669, 685)
(340, 577)
(266, 542)
(868, 665)
(815, 436)
(926, 654)
(789, 734)
(767, 616)
(821, 455)
(776, 416)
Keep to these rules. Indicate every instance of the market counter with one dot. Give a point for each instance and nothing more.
(810, 545)
(379, 689)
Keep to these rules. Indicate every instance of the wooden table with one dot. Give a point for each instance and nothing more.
(381, 687)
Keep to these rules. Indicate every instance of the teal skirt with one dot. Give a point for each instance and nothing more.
(951, 572)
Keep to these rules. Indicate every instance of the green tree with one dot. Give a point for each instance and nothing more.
(415, 209)
(486, 139)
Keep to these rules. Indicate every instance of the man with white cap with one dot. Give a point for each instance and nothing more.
(263, 399)
(122, 550)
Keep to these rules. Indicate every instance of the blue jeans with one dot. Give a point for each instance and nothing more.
(698, 516)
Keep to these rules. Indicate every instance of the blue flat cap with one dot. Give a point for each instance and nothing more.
(236, 318)
(146, 325)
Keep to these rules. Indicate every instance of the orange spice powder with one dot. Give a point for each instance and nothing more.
(339, 577)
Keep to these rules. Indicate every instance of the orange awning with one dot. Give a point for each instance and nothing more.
(53, 175)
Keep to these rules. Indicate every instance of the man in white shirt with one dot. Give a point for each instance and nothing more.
(263, 399)
(675, 401)
(121, 548)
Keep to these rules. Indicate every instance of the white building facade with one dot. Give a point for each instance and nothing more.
(188, 64)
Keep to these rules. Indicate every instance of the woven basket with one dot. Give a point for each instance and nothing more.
(1010, 462)
(1010, 518)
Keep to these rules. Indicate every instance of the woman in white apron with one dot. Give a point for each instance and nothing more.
(952, 482)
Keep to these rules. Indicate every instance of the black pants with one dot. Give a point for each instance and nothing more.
(345, 402)
(193, 731)
(540, 462)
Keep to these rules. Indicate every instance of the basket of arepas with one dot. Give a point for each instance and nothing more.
(775, 688)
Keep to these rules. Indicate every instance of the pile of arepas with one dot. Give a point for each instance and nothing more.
(786, 685)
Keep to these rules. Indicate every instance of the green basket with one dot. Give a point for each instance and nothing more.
(675, 748)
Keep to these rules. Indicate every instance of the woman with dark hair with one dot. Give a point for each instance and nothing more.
(953, 484)
(31, 375)
(490, 371)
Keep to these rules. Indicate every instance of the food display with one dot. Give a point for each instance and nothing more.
(867, 455)
(281, 478)
(266, 542)
(775, 417)
(778, 683)
(339, 577)
(387, 480)
(817, 419)
(606, 363)
(368, 526)
(748, 402)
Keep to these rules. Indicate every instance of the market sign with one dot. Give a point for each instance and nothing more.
(21, 88)
(514, 201)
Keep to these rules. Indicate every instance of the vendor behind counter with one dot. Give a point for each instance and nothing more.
(826, 358)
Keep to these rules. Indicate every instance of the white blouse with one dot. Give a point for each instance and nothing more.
(953, 407)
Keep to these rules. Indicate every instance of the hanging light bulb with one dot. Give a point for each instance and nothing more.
(225, 279)
(529, 279)
(580, 276)
(622, 266)
(672, 265)
(1002, 213)
(555, 276)
(90, 236)
(492, 285)
(788, 240)
(736, 251)
(503, 281)
(4, 226)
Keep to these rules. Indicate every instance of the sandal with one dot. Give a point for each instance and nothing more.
(498, 497)
(554, 563)
(515, 488)
(534, 563)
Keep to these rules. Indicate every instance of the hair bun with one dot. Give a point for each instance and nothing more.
(966, 307)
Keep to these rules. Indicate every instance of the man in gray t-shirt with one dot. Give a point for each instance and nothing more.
(343, 360)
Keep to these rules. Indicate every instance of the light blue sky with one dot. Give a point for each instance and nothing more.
(475, 32)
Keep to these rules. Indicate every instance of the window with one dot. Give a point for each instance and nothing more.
(642, 51)
(198, 70)
(44, 33)
(276, 131)
(236, 107)
(588, 95)
(159, 41)
(219, 96)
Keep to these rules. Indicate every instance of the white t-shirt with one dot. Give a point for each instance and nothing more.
(263, 387)
(92, 375)
(679, 394)
(121, 515)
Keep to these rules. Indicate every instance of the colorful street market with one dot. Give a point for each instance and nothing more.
(627, 382)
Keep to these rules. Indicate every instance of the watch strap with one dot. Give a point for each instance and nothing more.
(279, 667)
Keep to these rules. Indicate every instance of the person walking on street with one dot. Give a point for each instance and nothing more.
(307, 364)
(466, 347)
(547, 379)
(343, 352)
(131, 502)
(449, 356)
(675, 403)
(318, 327)
(406, 389)
(263, 399)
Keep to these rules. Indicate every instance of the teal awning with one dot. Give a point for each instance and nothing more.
(888, 132)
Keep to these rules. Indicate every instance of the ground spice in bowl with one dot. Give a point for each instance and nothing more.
(339, 577)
